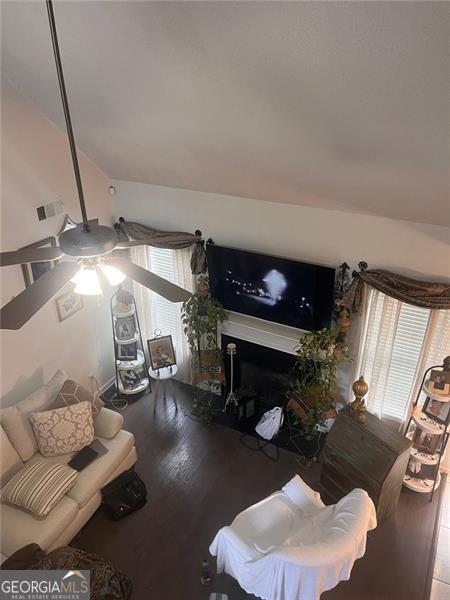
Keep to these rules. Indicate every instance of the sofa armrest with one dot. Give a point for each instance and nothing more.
(107, 423)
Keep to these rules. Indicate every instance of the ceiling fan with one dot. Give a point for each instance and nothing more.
(88, 242)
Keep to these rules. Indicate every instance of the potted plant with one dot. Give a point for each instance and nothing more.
(313, 379)
(201, 316)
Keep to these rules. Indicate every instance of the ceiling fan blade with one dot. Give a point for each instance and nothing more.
(153, 282)
(29, 255)
(21, 308)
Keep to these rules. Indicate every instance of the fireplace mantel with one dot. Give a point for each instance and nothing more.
(265, 333)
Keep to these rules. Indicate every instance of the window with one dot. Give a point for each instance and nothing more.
(156, 312)
(392, 351)
(165, 315)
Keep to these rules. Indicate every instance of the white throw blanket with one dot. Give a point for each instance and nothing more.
(290, 546)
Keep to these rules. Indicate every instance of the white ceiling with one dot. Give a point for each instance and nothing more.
(337, 105)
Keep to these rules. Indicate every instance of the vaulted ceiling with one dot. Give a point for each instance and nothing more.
(337, 105)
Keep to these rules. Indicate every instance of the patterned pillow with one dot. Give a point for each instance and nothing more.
(63, 430)
(39, 487)
(72, 393)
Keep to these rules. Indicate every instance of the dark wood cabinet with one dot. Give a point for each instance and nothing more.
(366, 455)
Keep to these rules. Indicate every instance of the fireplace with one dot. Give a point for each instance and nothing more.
(260, 371)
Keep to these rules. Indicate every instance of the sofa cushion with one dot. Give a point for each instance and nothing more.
(10, 461)
(72, 393)
(15, 418)
(39, 487)
(20, 527)
(63, 430)
(98, 473)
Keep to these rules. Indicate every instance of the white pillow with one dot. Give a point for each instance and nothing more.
(10, 461)
(303, 496)
(15, 419)
(63, 430)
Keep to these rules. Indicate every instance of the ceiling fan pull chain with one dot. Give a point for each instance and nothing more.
(65, 103)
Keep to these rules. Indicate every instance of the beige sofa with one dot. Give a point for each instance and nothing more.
(18, 447)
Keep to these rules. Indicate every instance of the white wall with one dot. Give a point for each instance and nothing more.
(36, 169)
(299, 232)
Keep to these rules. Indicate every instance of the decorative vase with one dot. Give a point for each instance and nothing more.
(358, 406)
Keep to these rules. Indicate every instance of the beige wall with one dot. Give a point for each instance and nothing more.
(299, 232)
(36, 169)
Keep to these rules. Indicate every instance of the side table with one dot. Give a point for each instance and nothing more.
(163, 378)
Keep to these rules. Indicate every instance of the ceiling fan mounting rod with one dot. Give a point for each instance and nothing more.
(65, 103)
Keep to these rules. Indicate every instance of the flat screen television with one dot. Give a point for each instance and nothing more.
(275, 289)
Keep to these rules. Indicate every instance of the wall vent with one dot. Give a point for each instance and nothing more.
(50, 210)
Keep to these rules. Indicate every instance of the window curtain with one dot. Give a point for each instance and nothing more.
(424, 294)
(377, 345)
(137, 234)
(183, 277)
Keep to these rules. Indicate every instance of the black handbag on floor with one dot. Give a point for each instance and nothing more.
(124, 494)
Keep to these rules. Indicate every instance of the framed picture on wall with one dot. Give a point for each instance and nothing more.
(68, 304)
(32, 271)
(161, 351)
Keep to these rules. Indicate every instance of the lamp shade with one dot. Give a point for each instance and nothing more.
(87, 282)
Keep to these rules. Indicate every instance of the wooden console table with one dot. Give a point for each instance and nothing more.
(366, 455)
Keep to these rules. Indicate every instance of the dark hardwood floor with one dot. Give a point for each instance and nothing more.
(198, 478)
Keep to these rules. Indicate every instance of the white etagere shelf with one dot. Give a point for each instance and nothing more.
(427, 428)
(128, 369)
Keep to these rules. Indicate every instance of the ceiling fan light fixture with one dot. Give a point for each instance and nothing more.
(87, 282)
(113, 275)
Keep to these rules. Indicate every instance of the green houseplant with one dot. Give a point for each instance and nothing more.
(313, 379)
(201, 317)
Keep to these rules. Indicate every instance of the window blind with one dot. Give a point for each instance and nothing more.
(165, 314)
(391, 353)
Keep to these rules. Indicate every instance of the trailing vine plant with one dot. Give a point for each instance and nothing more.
(201, 317)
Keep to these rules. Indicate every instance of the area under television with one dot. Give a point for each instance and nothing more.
(276, 289)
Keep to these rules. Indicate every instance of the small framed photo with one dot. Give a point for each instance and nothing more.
(436, 410)
(68, 304)
(161, 351)
(426, 441)
(125, 328)
(440, 382)
(131, 378)
(32, 271)
(127, 352)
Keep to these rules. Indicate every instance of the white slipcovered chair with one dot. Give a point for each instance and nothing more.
(290, 546)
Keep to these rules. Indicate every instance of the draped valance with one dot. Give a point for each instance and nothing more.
(138, 235)
(425, 294)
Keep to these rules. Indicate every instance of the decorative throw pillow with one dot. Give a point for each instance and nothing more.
(72, 393)
(63, 430)
(39, 487)
(15, 419)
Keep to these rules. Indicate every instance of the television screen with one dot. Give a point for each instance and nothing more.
(275, 289)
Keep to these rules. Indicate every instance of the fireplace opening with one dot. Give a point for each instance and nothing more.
(263, 372)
